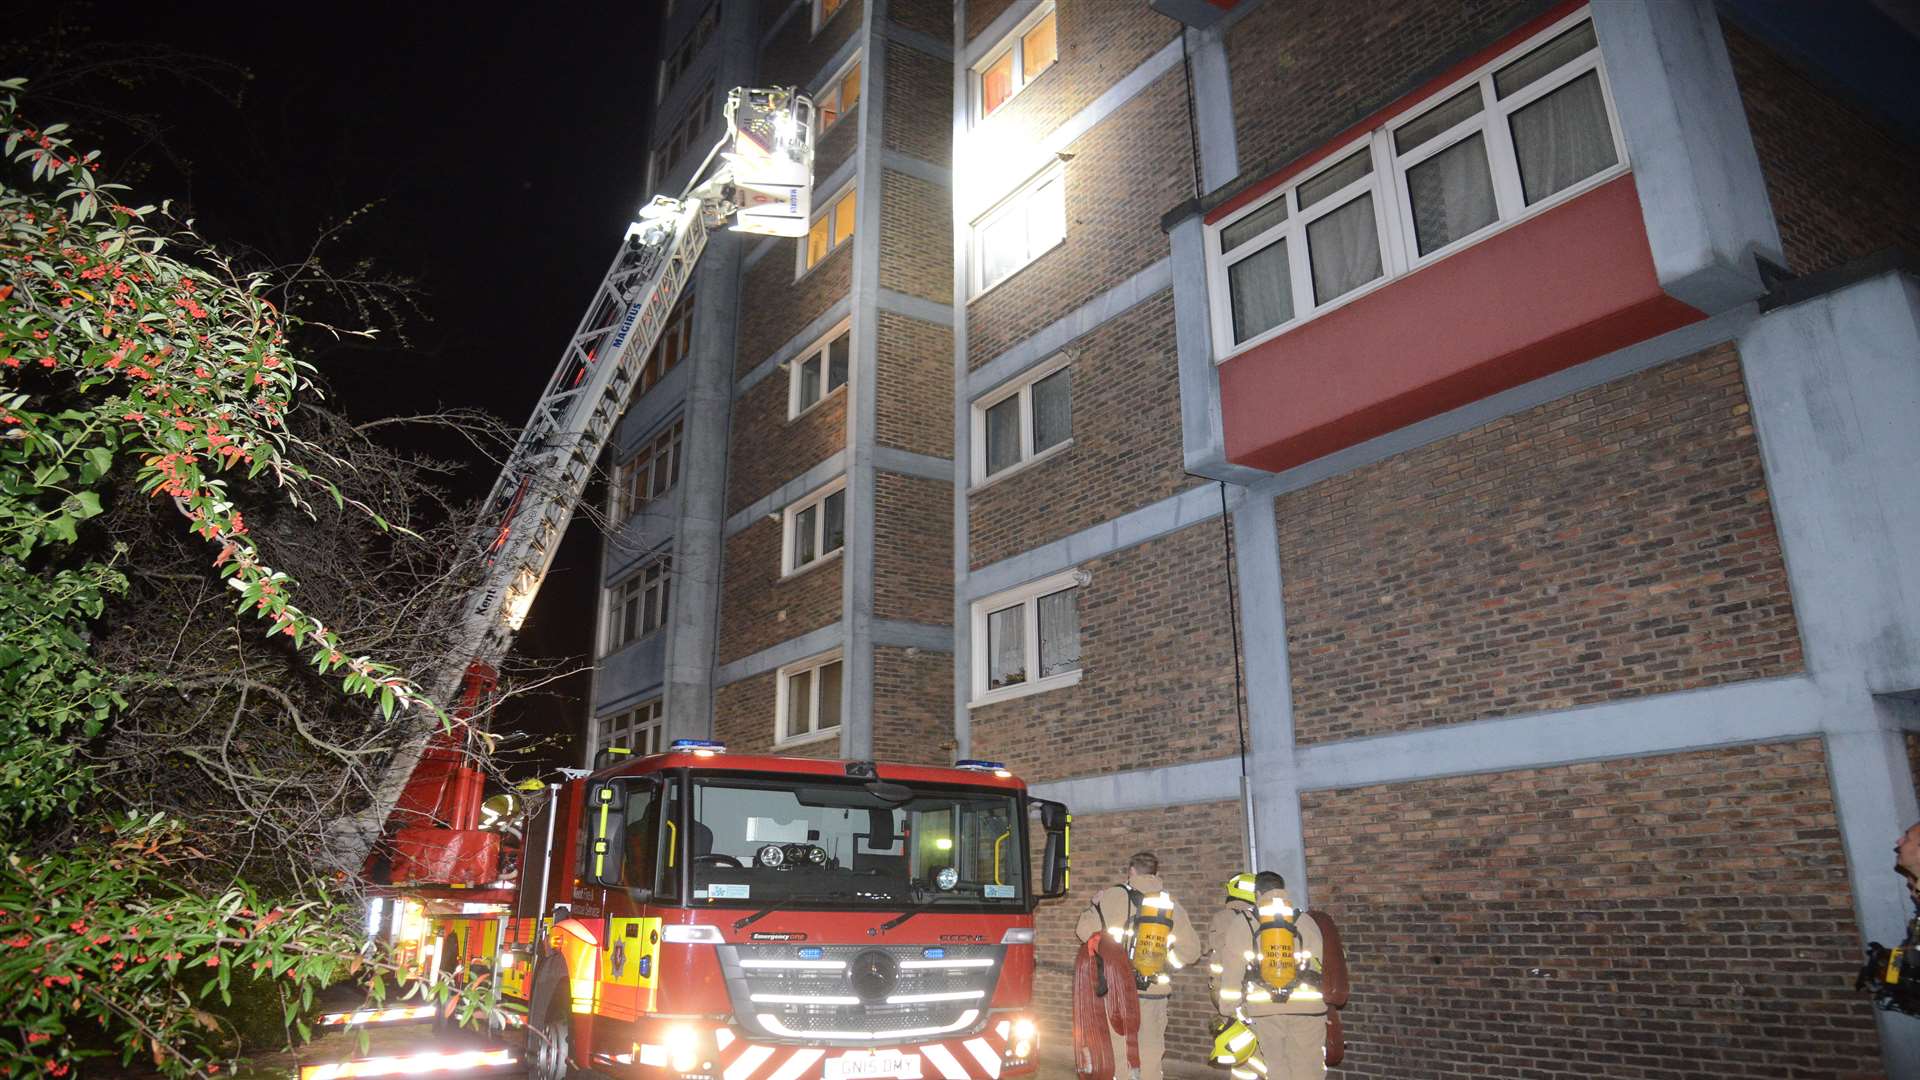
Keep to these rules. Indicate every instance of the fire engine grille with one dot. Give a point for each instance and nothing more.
(852, 994)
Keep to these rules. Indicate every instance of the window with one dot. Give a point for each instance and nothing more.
(808, 699)
(832, 228)
(676, 337)
(1020, 422)
(676, 63)
(1027, 640)
(637, 606)
(1530, 130)
(824, 10)
(648, 475)
(816, 527)
(639, 729)
(839, 98)
(1021, 229)
(668, 156)
(817, 373)
(1029, 50)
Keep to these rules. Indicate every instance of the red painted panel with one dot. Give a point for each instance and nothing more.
(1572, 284)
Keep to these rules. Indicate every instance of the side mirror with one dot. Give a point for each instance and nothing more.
(1055, 856)
(606, 812)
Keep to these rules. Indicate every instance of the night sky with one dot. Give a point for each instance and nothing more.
(504, 148)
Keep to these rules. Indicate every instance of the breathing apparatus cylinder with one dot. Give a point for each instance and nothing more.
(1152, 930)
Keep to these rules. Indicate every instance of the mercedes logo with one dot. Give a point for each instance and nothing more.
(873, 973)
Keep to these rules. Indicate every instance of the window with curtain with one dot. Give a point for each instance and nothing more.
(1529, 130)
(638, 729)
(1021, 229)
(1030, 49)
(648, 475)
(1028, 640)
(815, 374)
(637, 606)
(1023, 421)
(838, 98)
(816, 526)
(810, 699)
(830, 230)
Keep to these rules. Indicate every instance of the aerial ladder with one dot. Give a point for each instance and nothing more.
(422, 823)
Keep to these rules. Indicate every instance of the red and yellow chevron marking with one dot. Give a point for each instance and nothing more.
(379, 1016)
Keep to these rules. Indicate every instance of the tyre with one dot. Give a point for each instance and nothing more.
(550, 1036)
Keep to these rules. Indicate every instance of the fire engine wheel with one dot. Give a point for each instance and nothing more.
(550, 1041)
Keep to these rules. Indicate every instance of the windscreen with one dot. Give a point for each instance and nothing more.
(760, 842)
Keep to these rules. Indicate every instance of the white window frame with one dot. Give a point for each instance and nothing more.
(621, 503)
(1392, 203)
(820, 21)
(644, 723)
(976, 99)
(1021, 385)
(1018, 201)
(789, 519)
(783, 737)
(818, 350)
(616, 597)
(800, 267)
(1027, 596)
(833, 86)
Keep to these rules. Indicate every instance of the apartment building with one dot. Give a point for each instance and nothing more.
(1485, 427)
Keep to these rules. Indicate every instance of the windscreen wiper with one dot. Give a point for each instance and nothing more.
(904, 916)
(748, 920)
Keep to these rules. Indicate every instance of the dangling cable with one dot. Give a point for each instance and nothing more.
(1239, 684)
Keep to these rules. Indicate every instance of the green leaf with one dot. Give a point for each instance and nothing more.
(89, 504)
(101, 459)
(386, 703)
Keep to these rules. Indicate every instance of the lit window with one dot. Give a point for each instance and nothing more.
(808, 699)
(1021, 229)
(1027, 640)
(818, 372)
(831, 229)
(1020, 422)
(816, 527)
(839, 98)
(1528, 131)
(637, 606)
(648, 475)
(824, 10)
(1029, 50)
(639, 729)
(676, 337)
(684, 136)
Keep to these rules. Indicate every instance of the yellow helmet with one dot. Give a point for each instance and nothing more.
(1234, 1047)
(1241, 887)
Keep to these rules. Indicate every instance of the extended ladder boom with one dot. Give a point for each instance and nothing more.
(428, 788)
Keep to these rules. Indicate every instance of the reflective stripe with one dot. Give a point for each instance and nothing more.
(943, 1059)
(750, 1059)
(988, 1058)
(800, 1062)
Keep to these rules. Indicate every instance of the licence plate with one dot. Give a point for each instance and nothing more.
(881, 1063)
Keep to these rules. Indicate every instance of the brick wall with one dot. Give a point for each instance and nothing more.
(913, 550)
(757, 608)
(914, 386)
(1157, 660)
(774, 307)
(743, 718)
(1841, 185)
(796, 54)
(1199, 848)
(1615, 543)
(769, 449)
(919, 105)
(916, 237)
(933, 17)
(1124, 174)
(981, 13)
(1126, 449)
(834, 148)
(1100, 42)
(1306, 70)
(912, 706)
(1692, 911)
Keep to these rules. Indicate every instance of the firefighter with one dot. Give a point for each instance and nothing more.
(1159, 939)
(1266, 971)
(1892, 976)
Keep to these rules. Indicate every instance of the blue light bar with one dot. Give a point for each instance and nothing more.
(702, 747)
(977, 765)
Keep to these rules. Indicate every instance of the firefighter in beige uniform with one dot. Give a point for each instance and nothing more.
(1266, 967)
(1160, 940)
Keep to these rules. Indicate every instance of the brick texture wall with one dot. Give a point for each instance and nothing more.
(1841, 185)
(1306, 70)
(1690, 914)
(1100, 42)
(743, 718)
(913, 391)
(757, 608)
(933, 17)
(1126, 442)
(916, 237)
(919, 105)
(1156, 687)
(774, 307)
(1125, 173)
(912, 706)
(769, 449)
(981, 13)
(1612, 544)
(913, 550)
(796, 54)
(1199, 848)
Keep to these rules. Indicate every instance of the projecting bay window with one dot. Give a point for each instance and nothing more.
(832, 228)
(637, 606)
(1024, 422)
(683, 136)
(1025, 226)
(648, 475)
(808, 705)
(814, 375)
(1027, 640)
(1529, 131)
(816, 527)
(841, 94)
(677, 62)
(676, 338)
(1031, 49)
(638, 729)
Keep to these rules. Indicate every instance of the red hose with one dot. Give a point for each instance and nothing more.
(1094, 1016)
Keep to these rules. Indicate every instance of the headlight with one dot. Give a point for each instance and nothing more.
(946, 877)
(683, 1047)
(773, 856)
